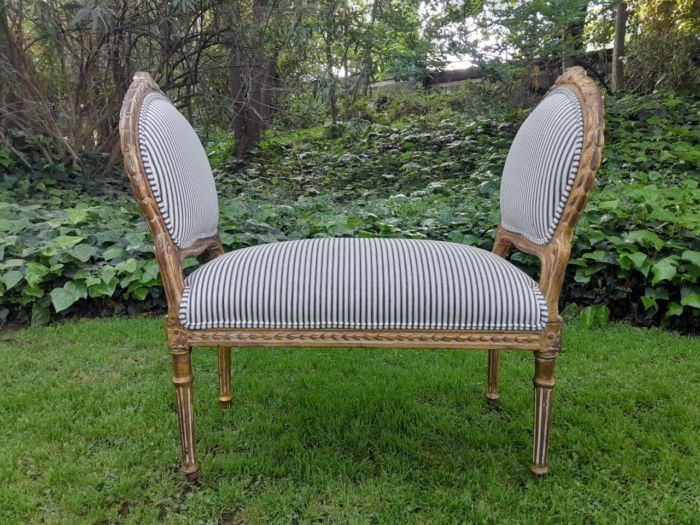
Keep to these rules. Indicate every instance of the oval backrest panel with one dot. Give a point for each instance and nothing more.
(178, 171)
(541, 166)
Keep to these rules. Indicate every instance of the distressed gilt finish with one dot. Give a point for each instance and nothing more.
(545, 344)
(225, 375)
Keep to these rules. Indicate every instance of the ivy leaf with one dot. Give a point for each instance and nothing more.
(140, 293)
(62, 299)
(77, 215)
(83, 252)
(597, 255)
(673, 309)
(115, 252)
(595, 316)
(150, 272)
(664, 270)
(40, 314)
(35, 273)
(71, 292)
(657, 293)
(128, 266)
(691, 256)
(645, 238)
(68, 241)
(662, 214)
(635, 260)
(690, 296)
(103, 289)
(649, 303)
(108, 273)
(11, 278)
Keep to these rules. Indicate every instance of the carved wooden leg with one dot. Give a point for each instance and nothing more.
(494, 364)
(182, 379)
(224, 376)
(544, 388)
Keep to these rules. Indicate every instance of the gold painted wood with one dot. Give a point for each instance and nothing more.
(553, 257)
(183, 379)
(544, 385)
(502, 249)
(494, 370)
(359, 338)
(225, 375)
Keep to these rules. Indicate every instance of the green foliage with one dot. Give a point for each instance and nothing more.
(60, 246)
(640, 234)
(663, 45)
(533, 31)
(595, 316)
(434, 174)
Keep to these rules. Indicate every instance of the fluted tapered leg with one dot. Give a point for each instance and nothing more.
(494, 365)
(225, 376)
(183, 379)
(544, 388)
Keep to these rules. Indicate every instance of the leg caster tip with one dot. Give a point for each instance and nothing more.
(492, 398)
(191, 473)
(225, 401)
(539, 470)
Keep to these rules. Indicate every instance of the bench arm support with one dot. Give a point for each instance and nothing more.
(553, 257)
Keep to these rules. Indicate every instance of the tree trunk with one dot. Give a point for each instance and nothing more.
(618, 72)
(332, 96)
(250, 80)
(14, 60)
(238, 93)
(251, 72)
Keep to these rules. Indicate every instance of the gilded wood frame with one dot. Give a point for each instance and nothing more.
(545, 344)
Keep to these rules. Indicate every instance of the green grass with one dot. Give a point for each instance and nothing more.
(89, 434)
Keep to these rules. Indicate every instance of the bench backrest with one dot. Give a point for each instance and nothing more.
(546, 158)
(178, 171)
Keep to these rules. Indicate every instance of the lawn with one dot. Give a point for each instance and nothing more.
(89, 432)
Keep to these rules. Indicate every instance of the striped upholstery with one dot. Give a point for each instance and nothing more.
(178, 171)
(541, 167)
(362, 284)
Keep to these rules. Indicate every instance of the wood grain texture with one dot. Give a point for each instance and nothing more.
(553, 257)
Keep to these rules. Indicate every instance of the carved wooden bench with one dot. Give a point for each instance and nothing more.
(367, 292)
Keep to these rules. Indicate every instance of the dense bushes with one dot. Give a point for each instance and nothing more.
(434, 175)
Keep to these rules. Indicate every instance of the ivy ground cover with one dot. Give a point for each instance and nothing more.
(73, 244)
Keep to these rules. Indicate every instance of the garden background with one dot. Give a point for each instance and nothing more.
(303, 144)
(342, 118)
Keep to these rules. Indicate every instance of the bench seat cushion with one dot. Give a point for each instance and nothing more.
(362, 284)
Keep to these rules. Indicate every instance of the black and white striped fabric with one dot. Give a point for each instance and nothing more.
(362, 284)
(541, 167)
(178, 171)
